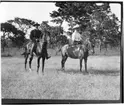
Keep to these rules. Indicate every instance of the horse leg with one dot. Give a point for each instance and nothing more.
(26, 58)
(38, 64)
(106, 47)
(100, 48)
(3, 48)
(43, 62)
(30, 60)
(81, 65)
(64, 58)
(93, 50)
(85, 62)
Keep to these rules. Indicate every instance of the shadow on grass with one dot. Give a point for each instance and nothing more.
(92, 71)
(73, 71)
(105, 72)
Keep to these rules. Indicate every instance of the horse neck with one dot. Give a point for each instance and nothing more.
(44, 39)
(40, 46)
(87, 45)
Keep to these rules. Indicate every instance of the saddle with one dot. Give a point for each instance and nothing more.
(75, 47)
(75, 51)
(76, 44)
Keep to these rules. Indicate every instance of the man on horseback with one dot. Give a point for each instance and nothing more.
(76, 36)
(35, 35)
(76, 39)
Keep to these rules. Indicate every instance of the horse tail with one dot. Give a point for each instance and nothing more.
(59, 50)
(25, 52)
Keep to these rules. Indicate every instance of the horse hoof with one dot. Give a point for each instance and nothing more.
(62, 69)
(30, 70)
(37, 72)
(25, 69)
(42, 73)
(86, 72)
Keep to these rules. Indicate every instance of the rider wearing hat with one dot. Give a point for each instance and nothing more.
(76, 36)
(35, 35)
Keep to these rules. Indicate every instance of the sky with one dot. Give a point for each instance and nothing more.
(37, 11)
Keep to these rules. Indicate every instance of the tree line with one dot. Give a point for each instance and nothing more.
(95, 21)
(15, 30)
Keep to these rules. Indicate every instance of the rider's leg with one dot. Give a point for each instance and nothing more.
(47, 55)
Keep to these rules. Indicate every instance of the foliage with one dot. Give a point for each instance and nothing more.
(22, 23)
(58, 21)
(97, 20)
(17, 28)
(9, 31)
(53, 32)
(6, 27)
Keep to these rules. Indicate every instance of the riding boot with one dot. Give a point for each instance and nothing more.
(47, 56)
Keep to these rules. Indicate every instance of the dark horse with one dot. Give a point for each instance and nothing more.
(39, 51)
(77, 52)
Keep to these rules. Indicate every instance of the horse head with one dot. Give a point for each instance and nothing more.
(89, 46)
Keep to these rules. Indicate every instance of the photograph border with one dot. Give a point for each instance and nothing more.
(57, 101)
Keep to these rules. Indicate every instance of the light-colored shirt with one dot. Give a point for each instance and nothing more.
(76, 36)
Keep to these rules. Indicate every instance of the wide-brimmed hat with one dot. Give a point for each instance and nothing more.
(76, 27)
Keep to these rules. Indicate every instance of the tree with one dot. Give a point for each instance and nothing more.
(58, 21)
(22, 23)
(19, 38)
(78, 12)
(7, 27)
(45, 27)
(9, 31)
(106, 24)
(53, 32)
(90, 17)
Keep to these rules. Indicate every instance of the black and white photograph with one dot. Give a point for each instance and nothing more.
(61, 52)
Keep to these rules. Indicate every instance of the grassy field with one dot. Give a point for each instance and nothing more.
(17, 52)
(102, 82)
